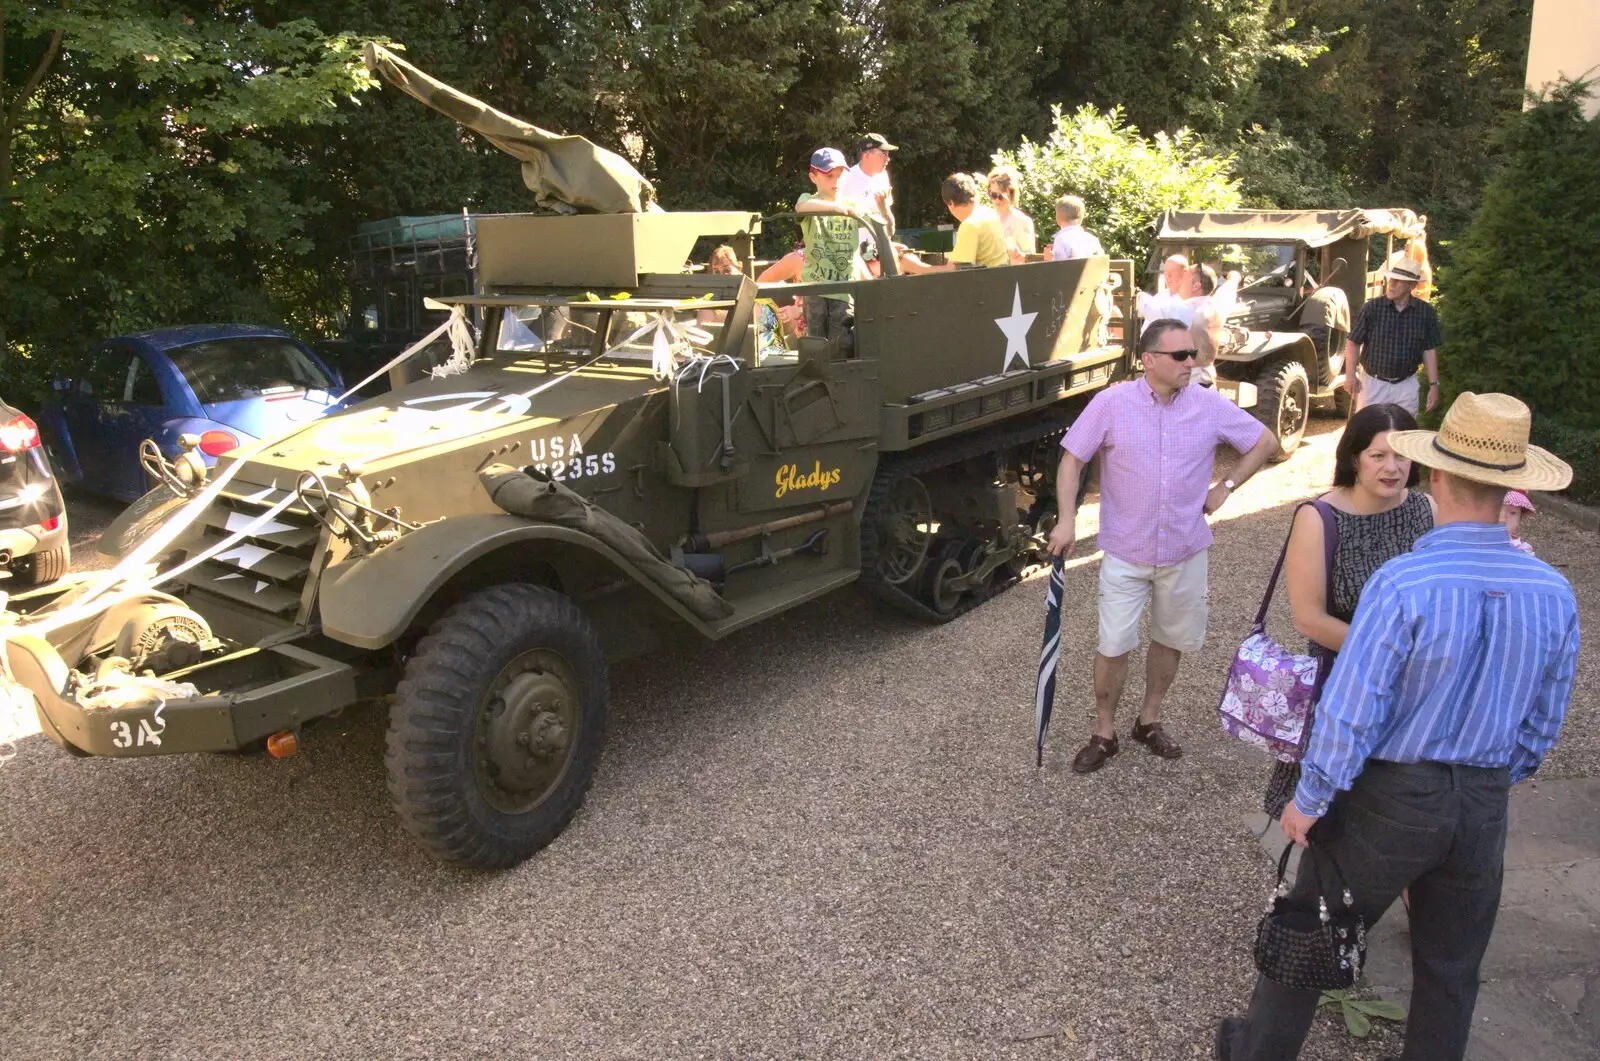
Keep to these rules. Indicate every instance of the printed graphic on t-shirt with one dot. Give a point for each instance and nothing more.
(830, 247)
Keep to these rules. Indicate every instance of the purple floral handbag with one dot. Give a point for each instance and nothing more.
(1271, 691)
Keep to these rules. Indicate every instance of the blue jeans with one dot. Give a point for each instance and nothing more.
(1437, 829)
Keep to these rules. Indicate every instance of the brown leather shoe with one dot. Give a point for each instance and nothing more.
(1158, 742)
(1094, 754)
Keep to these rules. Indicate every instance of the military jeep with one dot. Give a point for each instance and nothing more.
(1283, 351)
(615, 461)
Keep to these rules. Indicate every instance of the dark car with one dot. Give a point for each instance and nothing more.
(33, 519)
(226, 384)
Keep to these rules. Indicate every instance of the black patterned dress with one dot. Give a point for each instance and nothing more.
(1366, 543)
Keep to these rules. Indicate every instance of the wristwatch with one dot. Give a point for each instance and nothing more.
(1230, 485)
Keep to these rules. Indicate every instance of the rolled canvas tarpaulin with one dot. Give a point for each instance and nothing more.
(564, 172)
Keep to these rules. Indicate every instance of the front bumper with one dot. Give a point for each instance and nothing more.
(255, 693)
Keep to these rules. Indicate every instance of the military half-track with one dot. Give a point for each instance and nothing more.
(613, 459)
(1282, 352)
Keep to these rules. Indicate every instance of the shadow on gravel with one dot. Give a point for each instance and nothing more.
(822, 837)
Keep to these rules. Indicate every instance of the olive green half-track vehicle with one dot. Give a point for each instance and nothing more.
(1282, 353)
(620, 457)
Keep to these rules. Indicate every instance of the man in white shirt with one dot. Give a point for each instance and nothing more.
(1209, 301)
(1171, 300)
(866, 184)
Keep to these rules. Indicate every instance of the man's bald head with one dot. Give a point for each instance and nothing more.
(1172, 271)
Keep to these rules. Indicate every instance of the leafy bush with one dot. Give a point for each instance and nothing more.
(1282, 172)
(1579, 448)
(1124, 179)
(1521, 307)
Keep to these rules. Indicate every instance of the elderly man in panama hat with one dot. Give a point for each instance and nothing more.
(1393, 334)
(1451, 686)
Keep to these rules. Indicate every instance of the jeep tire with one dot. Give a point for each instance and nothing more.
(497, 726)
(1283, 402)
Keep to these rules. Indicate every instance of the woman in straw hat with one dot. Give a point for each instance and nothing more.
(1451, 686)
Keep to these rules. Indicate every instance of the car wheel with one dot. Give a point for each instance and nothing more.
(1283, 403)
(497, 726)
(36, 569)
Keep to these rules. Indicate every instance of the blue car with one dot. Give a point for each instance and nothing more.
(230, 384)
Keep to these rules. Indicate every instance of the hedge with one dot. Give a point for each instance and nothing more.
(1579, 447)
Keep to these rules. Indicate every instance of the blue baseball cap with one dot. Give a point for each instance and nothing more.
(828, 158)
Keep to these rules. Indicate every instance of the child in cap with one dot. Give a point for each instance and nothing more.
(832, 229)
(1511, 510)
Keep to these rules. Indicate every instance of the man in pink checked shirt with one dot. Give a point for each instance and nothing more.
(1157, 438)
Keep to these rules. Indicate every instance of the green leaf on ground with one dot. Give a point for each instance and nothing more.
(1379, 1008)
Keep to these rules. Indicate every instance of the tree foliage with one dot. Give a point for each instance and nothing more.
(1523, 307)
(146, 176)
(1124, 179)
(1403, 98)
(164, 161)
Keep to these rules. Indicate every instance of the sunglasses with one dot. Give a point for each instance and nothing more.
(997, 197)
(1178, 355)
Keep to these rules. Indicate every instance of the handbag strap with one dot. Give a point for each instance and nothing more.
(1283, 861)
(1330, 546)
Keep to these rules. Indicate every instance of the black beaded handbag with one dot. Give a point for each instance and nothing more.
(1312, 949)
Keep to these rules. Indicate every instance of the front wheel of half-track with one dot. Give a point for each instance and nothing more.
(497, 726)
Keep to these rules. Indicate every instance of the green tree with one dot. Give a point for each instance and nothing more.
(1125, 180)
(718, 102)
(1277, 170)
(1404, 98)
(145, 180)
(1522, 306)
(1170, 64)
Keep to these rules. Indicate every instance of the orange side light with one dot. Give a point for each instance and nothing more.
(283, 744)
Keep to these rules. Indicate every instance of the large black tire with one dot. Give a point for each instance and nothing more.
(36, 569)
(497, 726)
(1283, 403)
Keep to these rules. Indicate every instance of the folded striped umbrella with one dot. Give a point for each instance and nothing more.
(1044, 694)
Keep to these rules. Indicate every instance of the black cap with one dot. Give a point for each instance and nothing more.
(869, 141)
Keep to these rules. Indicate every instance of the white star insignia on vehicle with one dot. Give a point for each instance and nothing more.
(1016, 328)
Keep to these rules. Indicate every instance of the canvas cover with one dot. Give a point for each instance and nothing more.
(1315, 228)
(545, 499)
(565, 173)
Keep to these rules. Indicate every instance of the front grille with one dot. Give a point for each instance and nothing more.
(266, 569)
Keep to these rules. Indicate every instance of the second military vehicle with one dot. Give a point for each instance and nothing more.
(1283, 347)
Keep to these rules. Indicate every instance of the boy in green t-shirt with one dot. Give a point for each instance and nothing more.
(832, 229)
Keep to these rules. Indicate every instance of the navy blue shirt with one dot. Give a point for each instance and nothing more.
(1392, 340)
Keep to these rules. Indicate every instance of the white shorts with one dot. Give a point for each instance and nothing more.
(1178, 616)
(1376, 391)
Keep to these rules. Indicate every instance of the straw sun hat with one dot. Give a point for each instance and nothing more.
(1402, 268)
(1484, 437)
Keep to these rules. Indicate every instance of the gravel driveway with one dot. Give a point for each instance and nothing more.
(824, 838)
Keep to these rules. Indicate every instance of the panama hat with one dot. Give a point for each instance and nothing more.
(1402, 268)
(1484, 438)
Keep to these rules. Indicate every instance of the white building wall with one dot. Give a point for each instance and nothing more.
(1565, 41)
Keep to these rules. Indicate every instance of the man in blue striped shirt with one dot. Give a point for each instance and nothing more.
(1451, 686)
